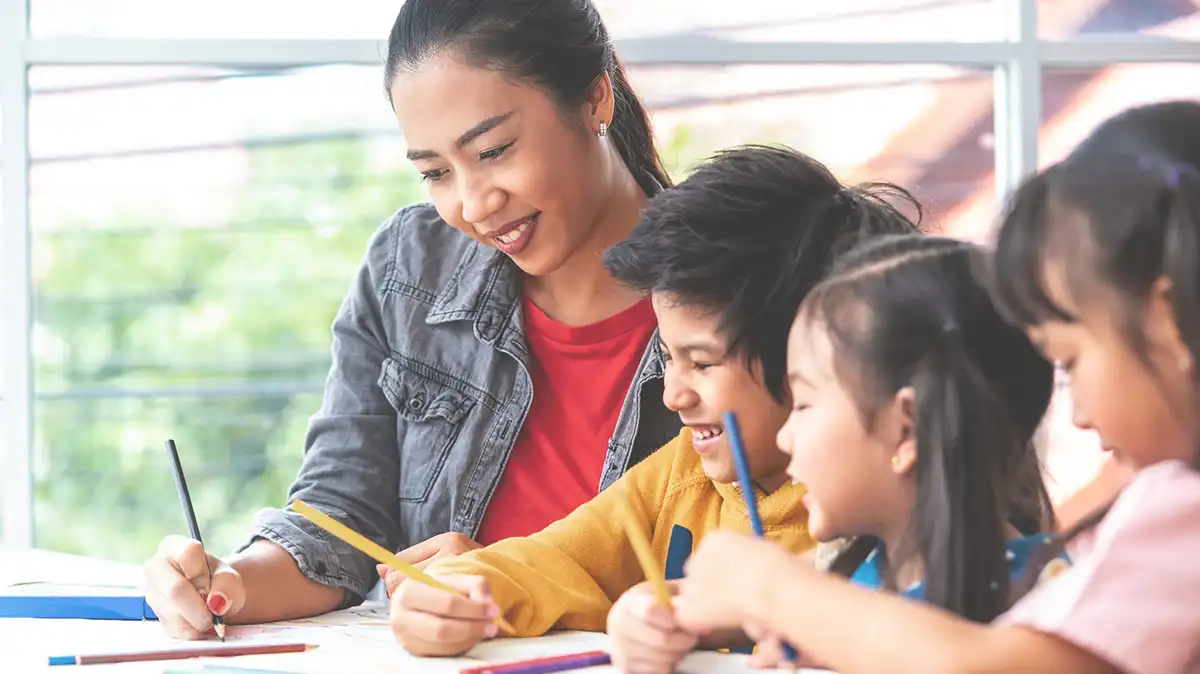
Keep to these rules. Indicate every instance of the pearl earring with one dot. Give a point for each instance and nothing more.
(895, 463)
(603, 130)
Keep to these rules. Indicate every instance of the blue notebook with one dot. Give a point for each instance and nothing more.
(87, 602)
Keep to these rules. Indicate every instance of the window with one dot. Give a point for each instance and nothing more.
(194, 230)
(194, 226)
(186, 274)
(786, 20)
(769, 20)
(838, 114)
(223, 19)
(1062, 19)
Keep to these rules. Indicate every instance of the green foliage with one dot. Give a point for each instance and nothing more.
(215, 336)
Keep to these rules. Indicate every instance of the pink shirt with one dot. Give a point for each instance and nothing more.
(1132, 597)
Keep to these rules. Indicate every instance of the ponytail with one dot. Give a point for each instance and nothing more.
(907, 313)
(631, 133)
(959, 518)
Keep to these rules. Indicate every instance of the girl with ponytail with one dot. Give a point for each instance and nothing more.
(914, 407)
(914, 410)
(1098, 262)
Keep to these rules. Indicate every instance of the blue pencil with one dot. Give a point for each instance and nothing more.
(742, 465)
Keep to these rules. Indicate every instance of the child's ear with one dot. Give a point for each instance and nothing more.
(902, 432)
(1162, 328)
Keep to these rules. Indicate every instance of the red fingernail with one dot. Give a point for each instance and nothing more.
(216, 603)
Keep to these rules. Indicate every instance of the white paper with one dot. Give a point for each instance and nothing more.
(355, 640)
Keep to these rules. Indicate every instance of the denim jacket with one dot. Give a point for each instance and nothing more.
(427, 392)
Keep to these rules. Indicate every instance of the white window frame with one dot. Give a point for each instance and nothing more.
(1017, 60)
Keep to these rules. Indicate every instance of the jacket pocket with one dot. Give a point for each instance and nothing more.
(429, 416)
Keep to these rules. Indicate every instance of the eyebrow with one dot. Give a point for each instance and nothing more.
(707, 346)
(466, 137)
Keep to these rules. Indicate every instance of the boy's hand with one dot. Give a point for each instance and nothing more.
(431, 622)
(645, 639)
(421, 555)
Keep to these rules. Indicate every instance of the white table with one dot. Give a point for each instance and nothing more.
(357, 640)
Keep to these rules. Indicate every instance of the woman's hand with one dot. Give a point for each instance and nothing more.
(180, 592)
(431, 622)
(422, 554)
(645, 638)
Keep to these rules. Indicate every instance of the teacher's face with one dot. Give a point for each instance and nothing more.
(503, 163)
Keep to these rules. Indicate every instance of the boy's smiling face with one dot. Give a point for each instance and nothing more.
(703, 382)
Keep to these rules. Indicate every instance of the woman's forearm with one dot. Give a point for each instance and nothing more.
(275, 587)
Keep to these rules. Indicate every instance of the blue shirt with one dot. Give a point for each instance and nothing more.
(869, 573)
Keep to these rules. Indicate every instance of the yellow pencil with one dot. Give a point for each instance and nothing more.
(378, 552)
(641, 547)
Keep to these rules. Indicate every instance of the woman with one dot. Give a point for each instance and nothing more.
(485, 381)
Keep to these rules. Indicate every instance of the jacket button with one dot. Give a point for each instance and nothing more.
(417, 402)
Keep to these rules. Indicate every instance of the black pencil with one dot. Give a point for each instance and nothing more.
(185, 499)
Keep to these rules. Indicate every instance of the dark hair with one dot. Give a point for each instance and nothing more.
(747, 235)
(1119, 212)
(907, 312)
(560, 46)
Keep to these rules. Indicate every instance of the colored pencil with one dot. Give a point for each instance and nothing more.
(378, 552)
(741, 463)
(179, 654)
(557, 663)
(185, 499)
(642, 548)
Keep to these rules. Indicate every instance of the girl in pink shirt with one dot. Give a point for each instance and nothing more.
(1098, 259)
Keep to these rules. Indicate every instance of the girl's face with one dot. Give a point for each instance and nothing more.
(1143, 413)
(857, 477)
(504, 164)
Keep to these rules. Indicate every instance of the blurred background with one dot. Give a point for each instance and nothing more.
(189, 186)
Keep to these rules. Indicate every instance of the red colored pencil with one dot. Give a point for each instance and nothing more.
(557, 663)
(179, 654)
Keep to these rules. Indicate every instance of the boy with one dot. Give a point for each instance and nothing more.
(726, 256)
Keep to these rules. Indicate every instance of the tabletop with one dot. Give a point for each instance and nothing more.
(354, 640)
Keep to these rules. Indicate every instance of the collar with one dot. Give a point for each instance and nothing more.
(1019, 550)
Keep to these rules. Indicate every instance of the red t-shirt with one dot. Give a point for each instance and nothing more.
(580, 378)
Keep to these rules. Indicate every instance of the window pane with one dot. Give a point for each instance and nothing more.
(1075, 101)
(1061, 19)
(194, 231)
(188, 19)
(783, 20)
(927, 128)
(4, 384)
(962, 20)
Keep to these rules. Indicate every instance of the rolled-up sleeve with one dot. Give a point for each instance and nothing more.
(351, 462)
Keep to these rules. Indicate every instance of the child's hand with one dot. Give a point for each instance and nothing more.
(430, 622)
(645, 639)
(768, 651)
(724, 580)
(423, 554)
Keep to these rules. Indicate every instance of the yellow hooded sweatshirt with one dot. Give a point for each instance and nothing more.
(569, 574)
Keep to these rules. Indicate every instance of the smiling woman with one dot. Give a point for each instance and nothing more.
(488, 374)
